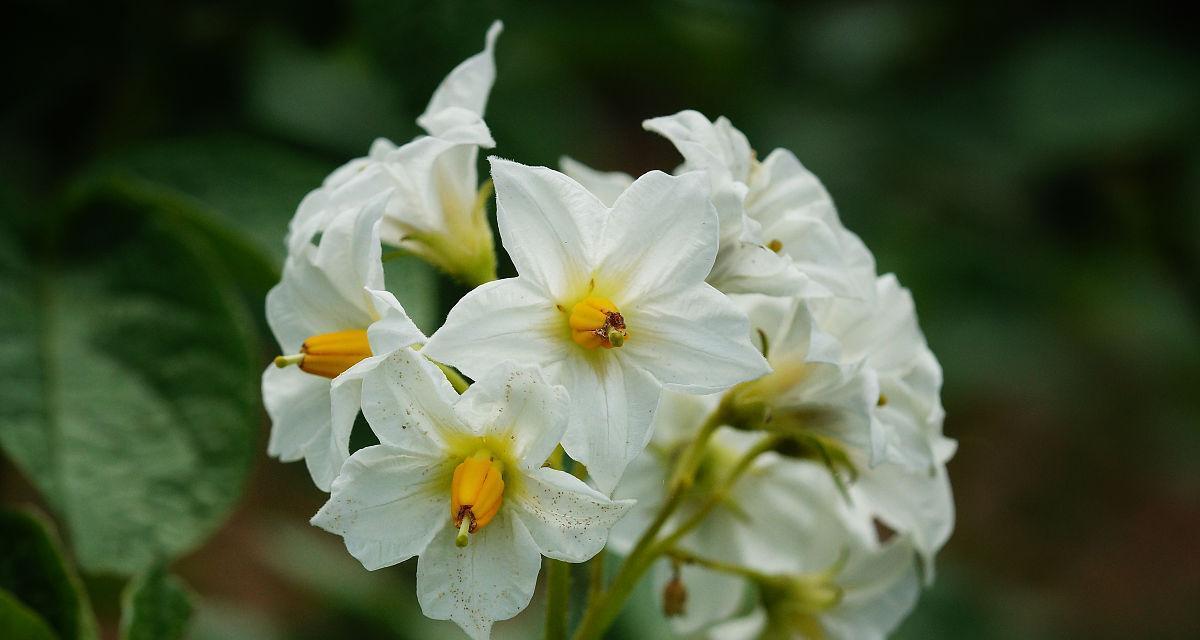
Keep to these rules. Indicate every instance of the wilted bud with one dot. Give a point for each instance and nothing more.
(674, 598)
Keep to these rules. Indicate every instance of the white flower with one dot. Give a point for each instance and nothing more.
(329, 313)
(459, 482)
(611, 302)
(879, 396)
(436, 209)
(780, 512)
(780, 233)
(910, 491)
(861, 596)
(811, 390)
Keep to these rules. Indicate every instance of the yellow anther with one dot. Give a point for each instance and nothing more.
(476, 493)
(775, 245)
(329, 354)
(596, 322)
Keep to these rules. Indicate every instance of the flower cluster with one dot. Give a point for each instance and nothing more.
(699, 370)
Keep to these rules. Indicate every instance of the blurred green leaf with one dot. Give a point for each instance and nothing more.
(156, 606)
(1083, 91)
(131, 395)
(238, 191)
(34, 573)
(334, 100)
(415, 284)
(20, 623)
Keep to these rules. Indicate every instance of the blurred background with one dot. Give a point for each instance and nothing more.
(1030, 170)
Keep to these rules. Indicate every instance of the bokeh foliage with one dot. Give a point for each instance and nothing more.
(1031, 171)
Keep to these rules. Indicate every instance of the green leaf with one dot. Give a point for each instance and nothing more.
(239, 192)
(131, 388)
(34, 573)
(156, 606)
(18, 622)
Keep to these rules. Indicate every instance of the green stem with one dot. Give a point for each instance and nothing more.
(558, 591)
(688, 557)
(603, 608)
(596, 576)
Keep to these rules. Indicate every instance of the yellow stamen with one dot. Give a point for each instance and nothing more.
(596, 322)
(476, 493)
(329, 354)
(775, 245)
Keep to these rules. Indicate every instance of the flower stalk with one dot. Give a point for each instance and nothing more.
(604, 607)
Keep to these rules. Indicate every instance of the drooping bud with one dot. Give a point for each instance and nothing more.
(674, 597)
(476, 493)
(596, 322)
(329, 354)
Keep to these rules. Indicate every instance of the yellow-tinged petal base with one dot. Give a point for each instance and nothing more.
(597, 322)
(476, 493)
(329, 354)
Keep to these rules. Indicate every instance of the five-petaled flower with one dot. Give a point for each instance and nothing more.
(459, 481)
(611, 302)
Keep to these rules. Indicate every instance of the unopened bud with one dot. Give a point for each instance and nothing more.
(674, 598)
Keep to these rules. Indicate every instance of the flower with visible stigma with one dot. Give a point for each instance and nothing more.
(437, 208)
(334, 321)
(459, 481)
(611, 302)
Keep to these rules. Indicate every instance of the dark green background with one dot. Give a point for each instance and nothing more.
(1031, 172)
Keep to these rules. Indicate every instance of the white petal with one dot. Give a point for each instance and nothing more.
(502, 320)
(568, 520)
(792, 518)
(518, 404)
(606, 185)
(307, 303)
(299, 406)
(837, 401)
(394, 329)
(349, 252)
(387, 503)
(721, 151)
(490, 579)
(322, 288)
(696, 341)
(918, 504)
(710, 146)
(612, 406)
(345, 392)
(661, 235)
(359, 182)
(880, 588)
(468, 85)
(750, 267)
(782, 187)
(790, 330)
(408, 402)
(833, 261)
(645, 482)
(435, 181)
(549, 224)
(380, 147)
(747, 627)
